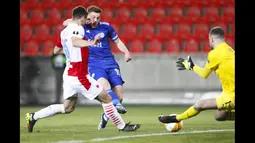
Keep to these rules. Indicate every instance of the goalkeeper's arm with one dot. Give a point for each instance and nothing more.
(202, 72)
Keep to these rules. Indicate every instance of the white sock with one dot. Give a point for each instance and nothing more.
(49, 111)
(112, 114)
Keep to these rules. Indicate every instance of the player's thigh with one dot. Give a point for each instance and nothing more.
(104, 82)
(69, 94)
(97, 73)
(88, 87)
(101, 76)
(225, 101)
(119, 91)
(206, 104)
(115, 78)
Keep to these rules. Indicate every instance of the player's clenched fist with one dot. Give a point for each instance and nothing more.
(183, 64)
(128, 57)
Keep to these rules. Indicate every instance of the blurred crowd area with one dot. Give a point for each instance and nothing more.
(145, 26)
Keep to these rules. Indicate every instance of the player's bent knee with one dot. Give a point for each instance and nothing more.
(218, 118)
(104, 97)
(199, 105)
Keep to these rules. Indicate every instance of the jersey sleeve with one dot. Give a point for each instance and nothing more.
(77, 31)
(58, 44)
(112, 34)
(212, 60)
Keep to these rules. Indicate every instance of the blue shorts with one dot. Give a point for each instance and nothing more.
(111, 74)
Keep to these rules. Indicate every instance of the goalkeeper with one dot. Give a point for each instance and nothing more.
(221, 60)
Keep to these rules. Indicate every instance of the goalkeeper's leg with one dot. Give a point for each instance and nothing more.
(206, 104)
(222, 115)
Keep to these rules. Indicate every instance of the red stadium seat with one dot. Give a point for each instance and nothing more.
(114, 48)
(154, 46)
(228, 3)
(107, 15)
(54, 17)
(184, 30)
(211, 13)
(31, 49)
(205, 47)
(23, 16)
(42, 33)
(65, 4)
(222, 24)
(231, 29)
(203, 20)
(175, 13)
(48, 4)
(230, 41)
(190, 46)
(56, 30)
(158, 14)
(164, 31)
(123, 14)
(147, 31)
(129, 31)
(116, 28)
(136, 46)
(32, 3)
(211, 3)
(229, 13)
(173, 45)
(68, 13)
(201, 30)
(25, 33)
(140, 14)
(47, 48)
(193, 13)
(37, 16)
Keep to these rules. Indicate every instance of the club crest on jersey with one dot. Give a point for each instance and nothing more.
(102, 35)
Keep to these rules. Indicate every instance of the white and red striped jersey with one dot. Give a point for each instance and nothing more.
(76, 57)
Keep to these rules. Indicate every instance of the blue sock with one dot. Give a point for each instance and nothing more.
(115, 99)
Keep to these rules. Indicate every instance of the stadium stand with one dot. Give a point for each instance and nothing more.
(146, 26)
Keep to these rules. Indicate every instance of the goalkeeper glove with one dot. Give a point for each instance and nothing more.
(185, 64)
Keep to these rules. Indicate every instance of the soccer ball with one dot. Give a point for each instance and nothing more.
(174, 127)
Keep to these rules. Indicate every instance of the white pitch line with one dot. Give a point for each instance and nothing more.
(145, 135)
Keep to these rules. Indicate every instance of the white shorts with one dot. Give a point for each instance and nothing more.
(87, 86)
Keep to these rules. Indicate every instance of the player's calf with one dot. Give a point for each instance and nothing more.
(111, 111)
(221, 115)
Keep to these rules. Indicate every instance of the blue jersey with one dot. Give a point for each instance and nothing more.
(100, 55)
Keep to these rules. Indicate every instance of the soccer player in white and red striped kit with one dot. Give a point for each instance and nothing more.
(76, 78)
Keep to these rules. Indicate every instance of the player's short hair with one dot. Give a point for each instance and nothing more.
(79, 12)
(218, 32)
(94, 8)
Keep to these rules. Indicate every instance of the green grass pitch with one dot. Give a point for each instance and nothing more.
(81, 127)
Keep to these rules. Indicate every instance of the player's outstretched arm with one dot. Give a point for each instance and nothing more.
(78, 42)
(202, 72)
(58, 50)
(188, 64)
(122, 47)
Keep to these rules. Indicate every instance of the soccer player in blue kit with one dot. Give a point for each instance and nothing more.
(102, 64)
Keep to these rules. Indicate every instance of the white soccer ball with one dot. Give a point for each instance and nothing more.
(174, 127)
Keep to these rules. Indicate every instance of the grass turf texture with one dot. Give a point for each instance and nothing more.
(81, 126)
